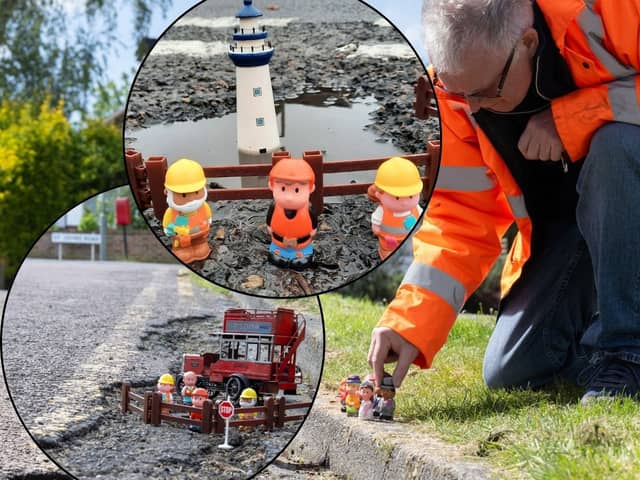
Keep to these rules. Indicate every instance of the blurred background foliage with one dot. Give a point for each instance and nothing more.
(60, 132)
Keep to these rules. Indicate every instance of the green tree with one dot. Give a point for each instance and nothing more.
(88, 222)
(56, 50)
(46, 166)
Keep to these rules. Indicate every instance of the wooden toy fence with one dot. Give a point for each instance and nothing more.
(154, 411)
(147, 177)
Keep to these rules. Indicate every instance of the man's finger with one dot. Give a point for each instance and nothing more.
(405, 359)
(377, 360)
(372, 348)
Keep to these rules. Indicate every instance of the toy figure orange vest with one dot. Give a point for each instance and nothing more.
(188, 216)
(397, 188)
(291, 220)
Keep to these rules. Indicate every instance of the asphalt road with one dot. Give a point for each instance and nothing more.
(72, 329)
(20, 455)
(328, 11)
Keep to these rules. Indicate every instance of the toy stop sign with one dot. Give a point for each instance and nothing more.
(225, 409)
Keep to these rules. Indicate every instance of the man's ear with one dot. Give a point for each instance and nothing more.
(531, 40)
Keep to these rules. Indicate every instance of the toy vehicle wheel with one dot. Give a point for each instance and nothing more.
(235, 385)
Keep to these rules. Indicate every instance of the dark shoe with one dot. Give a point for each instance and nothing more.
(614, 377)
(278, 260)
(301, 263)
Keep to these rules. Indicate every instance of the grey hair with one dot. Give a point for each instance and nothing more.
(450, 27)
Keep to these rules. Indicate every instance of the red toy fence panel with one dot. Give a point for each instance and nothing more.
(154, 411)
(147, 177)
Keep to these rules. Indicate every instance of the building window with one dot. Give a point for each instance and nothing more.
(257, 92)
(260, 122)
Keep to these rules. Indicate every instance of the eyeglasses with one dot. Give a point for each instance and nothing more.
(478, 96)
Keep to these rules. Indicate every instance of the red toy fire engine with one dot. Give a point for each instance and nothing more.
(257, 350)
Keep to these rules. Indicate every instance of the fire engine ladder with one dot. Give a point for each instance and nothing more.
(292, 346)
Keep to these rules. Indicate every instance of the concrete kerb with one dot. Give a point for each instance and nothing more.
(372, 449)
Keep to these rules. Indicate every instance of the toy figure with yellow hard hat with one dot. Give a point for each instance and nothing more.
(166, 386)
(248, 398)
(186, 221)
(397, 188)
(291, 220)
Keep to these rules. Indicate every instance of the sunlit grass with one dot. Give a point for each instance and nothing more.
(543, 434)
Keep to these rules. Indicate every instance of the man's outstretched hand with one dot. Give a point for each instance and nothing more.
(388, 346)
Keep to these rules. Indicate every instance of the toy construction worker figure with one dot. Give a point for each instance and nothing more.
(352, 399)
(386, 405)
(166, 386)
(198, 397)
(291, 219)
(397, 188)
(188, 217)
(540, 113)
(248, 398)
(190, 379)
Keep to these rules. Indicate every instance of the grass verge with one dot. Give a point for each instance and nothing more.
(523, 434)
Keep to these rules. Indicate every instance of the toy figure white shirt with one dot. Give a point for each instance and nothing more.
(366, 410)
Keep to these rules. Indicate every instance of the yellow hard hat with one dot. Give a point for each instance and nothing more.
(248, 393)
(399, 177)
(166, 379)
(184, 176)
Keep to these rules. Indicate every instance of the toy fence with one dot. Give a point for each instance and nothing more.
(147, 177)
(154, 411)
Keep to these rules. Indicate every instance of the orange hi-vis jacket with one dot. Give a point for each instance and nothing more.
(476, 197)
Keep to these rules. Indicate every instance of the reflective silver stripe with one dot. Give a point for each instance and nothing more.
(591, 25)
(518, 208)
(624, 101)
(464, 179)
(436, 281)
(388, 229)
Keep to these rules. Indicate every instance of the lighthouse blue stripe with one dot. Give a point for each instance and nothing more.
(250, 36)
(246, 58)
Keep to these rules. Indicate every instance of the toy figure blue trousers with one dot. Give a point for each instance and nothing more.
(580, 299)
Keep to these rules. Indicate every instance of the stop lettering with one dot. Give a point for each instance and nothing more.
(226, 409)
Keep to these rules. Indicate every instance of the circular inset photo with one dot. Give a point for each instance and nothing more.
(275, 148)
(122, 363)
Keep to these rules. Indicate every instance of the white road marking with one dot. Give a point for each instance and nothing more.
(400, 50)
(230, 22)
(192, 48)
(69, 405)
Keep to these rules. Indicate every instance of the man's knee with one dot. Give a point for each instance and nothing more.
(498, 374)
(616, 142)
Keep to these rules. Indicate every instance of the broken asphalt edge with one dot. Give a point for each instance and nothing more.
(361, 449)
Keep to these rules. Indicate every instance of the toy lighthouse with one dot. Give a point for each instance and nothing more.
(256, 113)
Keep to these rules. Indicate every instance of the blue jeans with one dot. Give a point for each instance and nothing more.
(579, 300)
